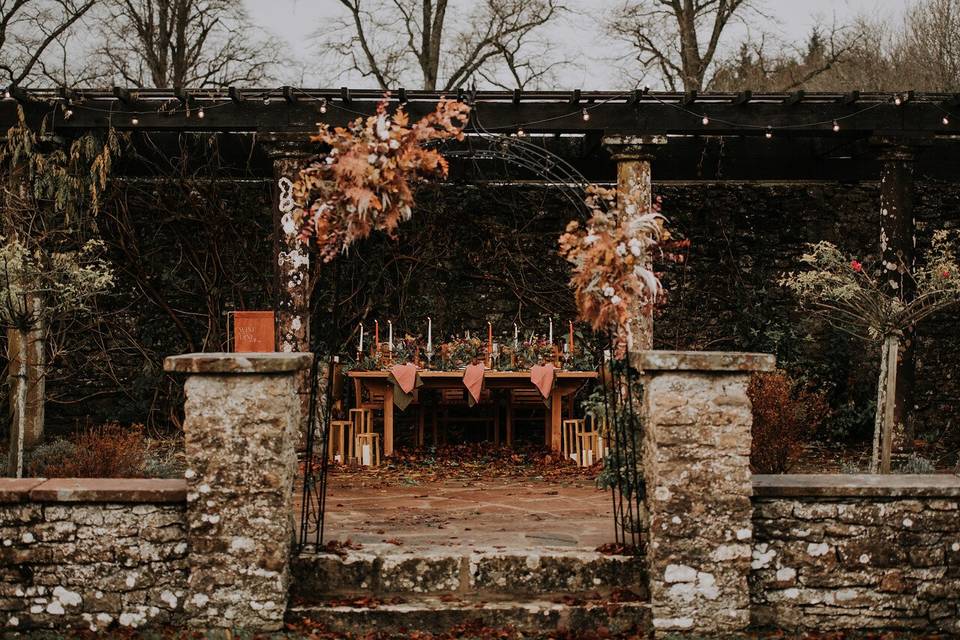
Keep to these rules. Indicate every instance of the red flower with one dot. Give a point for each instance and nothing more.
(856, 266)
(946, 274)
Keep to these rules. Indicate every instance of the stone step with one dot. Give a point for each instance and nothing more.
(429, 614)
(388, 570)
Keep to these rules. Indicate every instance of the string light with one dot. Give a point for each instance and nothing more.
(705, 121)
(266, 100)
(769, 133)
(586, 115)
(945, 120)
(134, 120)
(200, 113)
(520, 132)
(323, 105)
(836, 126)
(898, 100)
(67, 113)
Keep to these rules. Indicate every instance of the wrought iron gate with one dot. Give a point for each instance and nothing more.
(313, 493)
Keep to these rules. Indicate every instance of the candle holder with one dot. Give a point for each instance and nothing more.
(429, 354)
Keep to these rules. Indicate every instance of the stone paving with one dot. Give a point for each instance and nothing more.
(500, 513)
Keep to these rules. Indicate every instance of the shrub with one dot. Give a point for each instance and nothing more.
(785, 414)
(105, 451)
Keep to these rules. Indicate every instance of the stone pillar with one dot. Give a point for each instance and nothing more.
(897, 245)
(292, 265)
(26, 384)
(633, 155)
(698, 487)
(241, 420)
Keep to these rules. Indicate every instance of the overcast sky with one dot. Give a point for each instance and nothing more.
(579, 37)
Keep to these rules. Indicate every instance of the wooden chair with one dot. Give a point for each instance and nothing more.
(525, 399)
(570, 440)
(341, 436)
(371, 440)
(456, 398)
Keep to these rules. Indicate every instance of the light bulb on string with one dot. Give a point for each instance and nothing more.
(323, 105)
(200, 113)
(134, 120)
(836, 126)
(586, 115)
(769, 133)
(266, 101)
(67, 113)
(897, 100)
(705, 121)
(945, 120)
(520, 132)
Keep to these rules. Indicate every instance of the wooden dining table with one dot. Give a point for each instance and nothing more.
(565, 383)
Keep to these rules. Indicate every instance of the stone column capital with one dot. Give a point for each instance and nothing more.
(237, 363)
(624, 148)
(702, 361)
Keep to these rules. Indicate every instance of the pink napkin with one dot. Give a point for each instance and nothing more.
(473, 380)
(542, 378)
(405, 375)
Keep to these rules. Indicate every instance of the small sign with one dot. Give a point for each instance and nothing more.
(253, 331)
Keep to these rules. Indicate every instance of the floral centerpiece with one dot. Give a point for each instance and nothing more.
(530, 352)
(460, 352)
(611, 255)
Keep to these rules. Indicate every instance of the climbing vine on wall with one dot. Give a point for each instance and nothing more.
(363, 181)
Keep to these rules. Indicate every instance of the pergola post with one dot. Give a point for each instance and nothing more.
(633, 155)
(292, 266)
(897, 246)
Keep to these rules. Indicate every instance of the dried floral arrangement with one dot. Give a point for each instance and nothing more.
(532, 351)
(363, 182)
(611, 256)
(862, 302)
(460, 352)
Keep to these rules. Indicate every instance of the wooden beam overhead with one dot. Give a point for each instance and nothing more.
(743, 97)
(288, 94)
(850, 97)
(345, 95)
(575, 97)
(795, 97)
(517, 93)
(235, 95)
(689, 98)
(123, 95)
(402, 95)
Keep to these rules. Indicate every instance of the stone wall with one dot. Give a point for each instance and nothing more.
(91, 554)
(857, 552)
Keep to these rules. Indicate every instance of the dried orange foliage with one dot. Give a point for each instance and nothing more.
(363, 183)
(611, 257)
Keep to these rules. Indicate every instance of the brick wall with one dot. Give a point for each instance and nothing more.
(91, 554)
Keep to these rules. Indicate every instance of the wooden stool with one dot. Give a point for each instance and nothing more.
(341, 436)
(372, 440)
(362, 420)
(589, 447)
(569, 443)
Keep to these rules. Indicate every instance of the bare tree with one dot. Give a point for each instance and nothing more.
(28, 28)
(393, 41)
(930, 45)
(766, 65)
(679, 39)
(184, 43)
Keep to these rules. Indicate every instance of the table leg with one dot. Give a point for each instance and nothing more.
(420, 419)
(388, 421)
(556, 411)
(509, 425)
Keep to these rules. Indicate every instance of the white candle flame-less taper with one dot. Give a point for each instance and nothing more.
(360, 348)
(429, 335)
(390, 335)
(551, 330)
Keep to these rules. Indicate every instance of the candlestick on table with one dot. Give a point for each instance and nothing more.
(376, 335)
(360, 348)
(551, 330)
(429, 335)
(390, 340)
(570, 340)
(516, 336)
